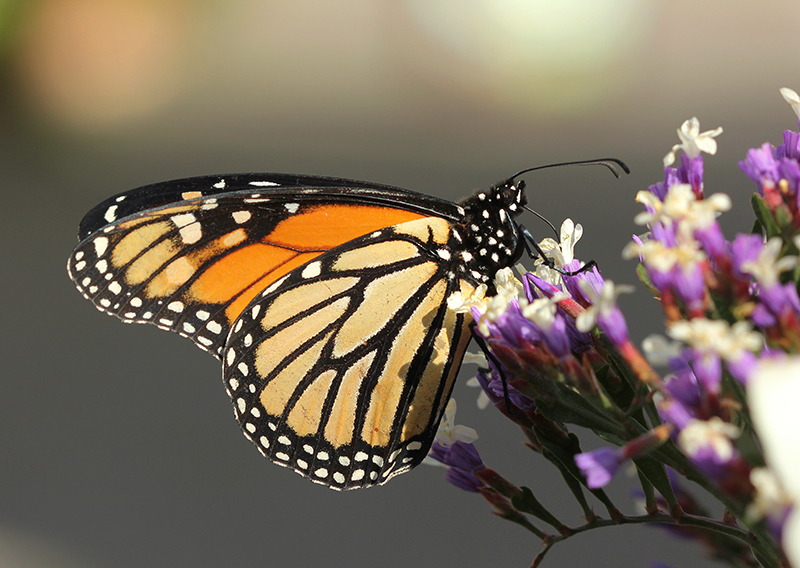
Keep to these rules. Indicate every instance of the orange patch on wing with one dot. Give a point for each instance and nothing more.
(232, 273)
(237, 306)
(327, 226)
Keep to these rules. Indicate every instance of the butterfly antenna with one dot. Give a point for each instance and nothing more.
(543, 218)
(609, 163)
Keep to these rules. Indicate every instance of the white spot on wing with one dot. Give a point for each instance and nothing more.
(111, 213)
(175, 306)
(312, 270)
(263, 183)
(190, 234)
(214, 327)
(115, 288)
(183, 219)
(292, 207)
(100, 245)
(241, 216)
(220, 184)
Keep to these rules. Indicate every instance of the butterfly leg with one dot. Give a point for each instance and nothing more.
(498, 367)
(534, 251)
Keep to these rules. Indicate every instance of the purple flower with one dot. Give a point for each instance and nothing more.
(603, 310)
(791, 146)
(492, 385)
(744, 249)
(761, 166)
(462, 461)
(464, 480)
(708, 443)
(599, 466)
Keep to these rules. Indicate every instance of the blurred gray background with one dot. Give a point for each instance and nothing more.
(117, 443)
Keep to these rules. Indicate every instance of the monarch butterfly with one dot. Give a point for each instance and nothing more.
(325, 299)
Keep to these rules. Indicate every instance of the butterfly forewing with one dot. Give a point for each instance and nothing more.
(341, 370)
(192, 266)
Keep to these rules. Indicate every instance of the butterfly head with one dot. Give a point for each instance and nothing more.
(492, 238)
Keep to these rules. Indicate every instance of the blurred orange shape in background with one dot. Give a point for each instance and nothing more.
(97, 63)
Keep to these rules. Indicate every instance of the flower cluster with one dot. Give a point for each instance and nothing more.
(559, 354)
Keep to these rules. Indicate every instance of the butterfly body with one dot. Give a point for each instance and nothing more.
(325, 299)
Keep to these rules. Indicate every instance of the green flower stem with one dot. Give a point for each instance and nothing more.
(767, 558)
(763, 542)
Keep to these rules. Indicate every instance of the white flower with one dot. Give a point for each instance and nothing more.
(717, 337)
(507, 284)
(483, 398)
(480, 360)
(693, 141)
(562, 252)
(767, 268)
(714, 434)
(462, 304)
(658, 350)
(681, 207)
(791, 97)
(770, 498)
(686, 254)
(602, 304)
(542, 311)
(773, 394)
(570, 235)
(449, 432)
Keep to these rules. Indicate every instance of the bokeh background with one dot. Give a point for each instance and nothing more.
(117, 444)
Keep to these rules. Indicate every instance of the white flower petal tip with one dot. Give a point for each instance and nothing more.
(693, 141)
(793, 99)
(658, 350)
(476, 359)
(603, 303)
(772, 394)
(449, 432)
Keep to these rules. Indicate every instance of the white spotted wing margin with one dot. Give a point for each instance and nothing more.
(341, 370)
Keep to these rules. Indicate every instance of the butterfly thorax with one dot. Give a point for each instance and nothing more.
(490, 236)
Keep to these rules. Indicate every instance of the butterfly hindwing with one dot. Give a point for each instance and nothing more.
(191, 266)
(341, 370)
